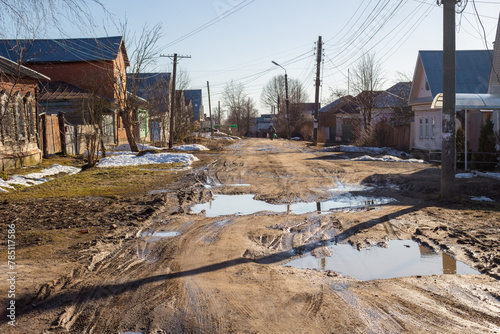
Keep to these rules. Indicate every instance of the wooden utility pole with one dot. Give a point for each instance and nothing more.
(316, 95)
(218, 107)
(448, 154)
(210, 110)
(172, 102)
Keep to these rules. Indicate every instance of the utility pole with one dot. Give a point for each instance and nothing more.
(287, 103)
(210, 111)
(172, 102)
(218, 107)
(448, 154)
(316, 95)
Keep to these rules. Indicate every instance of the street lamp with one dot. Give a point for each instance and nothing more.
(286, 97)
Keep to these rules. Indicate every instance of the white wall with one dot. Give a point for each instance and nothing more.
(427, 129)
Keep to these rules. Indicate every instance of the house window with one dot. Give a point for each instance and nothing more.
(433, 127)
(421, 128)
(7, 123)
(3, 115)
(19, 127)
(426, 127)
(29, 114)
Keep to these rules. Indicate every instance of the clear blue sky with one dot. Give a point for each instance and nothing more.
(241, 46)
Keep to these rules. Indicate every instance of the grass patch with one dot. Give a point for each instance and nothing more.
(102, 182)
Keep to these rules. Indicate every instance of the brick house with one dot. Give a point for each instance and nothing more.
(96, 66)
(19, 139)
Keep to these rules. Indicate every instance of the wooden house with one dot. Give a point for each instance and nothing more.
(19, 137)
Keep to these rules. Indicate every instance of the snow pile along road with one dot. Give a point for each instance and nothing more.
(387, 158)
(370, 150)
(146, 159)
(193, 147)
(37, 178)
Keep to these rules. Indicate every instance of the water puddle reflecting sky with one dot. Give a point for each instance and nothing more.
(155, 236)
(402, 258)
(246, 204)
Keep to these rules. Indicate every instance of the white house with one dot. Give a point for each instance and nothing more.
(472, 76)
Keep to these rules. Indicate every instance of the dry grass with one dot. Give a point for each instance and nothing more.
(104, 182)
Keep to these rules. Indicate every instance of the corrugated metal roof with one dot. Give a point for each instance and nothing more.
(472, 70)
(13, 69)
(63, 50)
(60, 90)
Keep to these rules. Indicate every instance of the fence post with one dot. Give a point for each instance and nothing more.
(62, 132)
(45, 151)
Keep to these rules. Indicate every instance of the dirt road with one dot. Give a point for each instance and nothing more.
(224, 270)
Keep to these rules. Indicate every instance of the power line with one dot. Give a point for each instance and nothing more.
(210, 23)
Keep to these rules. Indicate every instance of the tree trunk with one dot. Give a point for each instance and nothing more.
(127, 124)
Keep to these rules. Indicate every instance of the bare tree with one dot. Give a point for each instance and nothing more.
(366, 82)
(234, 98)
(145, 50)
(274, 91)
(156, 91)
(30, 18)
(183, 112)
(249, 114)
(335, 94)
(93, 108)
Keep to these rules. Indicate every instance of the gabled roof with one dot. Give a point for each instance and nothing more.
(343, 105)
(63, 50)
(336, 104)
(396, 96)
(472, 70)
(11, 68)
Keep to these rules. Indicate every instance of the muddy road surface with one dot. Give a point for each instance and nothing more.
(213, 257)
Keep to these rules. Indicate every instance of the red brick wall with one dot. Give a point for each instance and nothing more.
(91, 76)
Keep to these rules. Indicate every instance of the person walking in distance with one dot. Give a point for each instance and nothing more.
(272, 132)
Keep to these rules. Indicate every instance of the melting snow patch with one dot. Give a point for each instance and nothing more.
(37, 178)
(142, 147)
(371, 150)
(481, 198)
(194, 147)
(147, 159)
(465, 175)
(387, 158)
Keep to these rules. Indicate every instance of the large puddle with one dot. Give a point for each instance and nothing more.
(222, 205)
(402, 258)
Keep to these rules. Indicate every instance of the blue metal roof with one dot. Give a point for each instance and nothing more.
(146, 84)
(195, 95)
(62, 50)
(472, 70)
